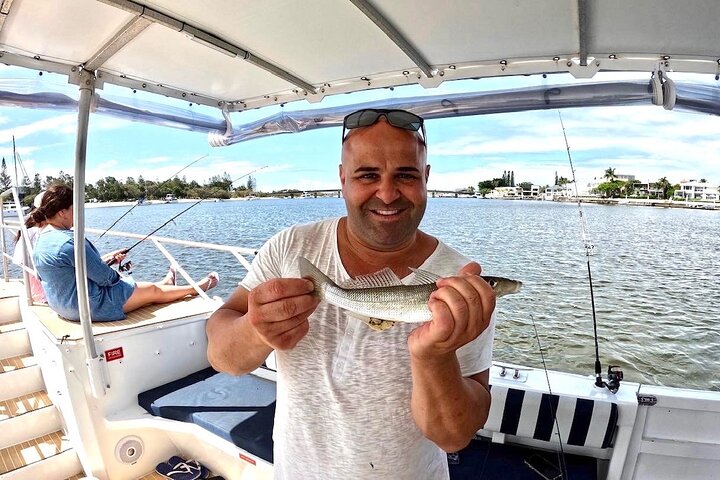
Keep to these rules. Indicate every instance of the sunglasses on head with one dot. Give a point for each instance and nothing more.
(396, 118)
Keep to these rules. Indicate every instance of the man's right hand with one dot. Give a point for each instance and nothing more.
(278, 311)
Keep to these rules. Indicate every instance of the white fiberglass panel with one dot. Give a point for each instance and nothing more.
(660, 467)
(685, 425)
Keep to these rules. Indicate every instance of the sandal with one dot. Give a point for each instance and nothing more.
(178, 469)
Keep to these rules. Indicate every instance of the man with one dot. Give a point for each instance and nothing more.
(354, 402)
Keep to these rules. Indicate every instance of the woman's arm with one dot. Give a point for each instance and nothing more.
(97, 269)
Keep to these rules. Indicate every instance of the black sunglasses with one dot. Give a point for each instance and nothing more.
(396, 118)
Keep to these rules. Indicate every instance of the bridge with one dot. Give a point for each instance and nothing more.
(337, 193)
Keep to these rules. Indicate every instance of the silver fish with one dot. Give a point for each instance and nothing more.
(384, 298)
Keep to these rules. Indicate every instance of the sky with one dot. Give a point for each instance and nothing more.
(646, 141)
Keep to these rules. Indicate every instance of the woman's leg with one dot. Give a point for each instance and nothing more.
(147, 293)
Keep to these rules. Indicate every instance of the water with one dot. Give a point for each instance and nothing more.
(655, 273)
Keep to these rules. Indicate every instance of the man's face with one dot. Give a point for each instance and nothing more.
(384, 182)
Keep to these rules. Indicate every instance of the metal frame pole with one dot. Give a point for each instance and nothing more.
(93, 361)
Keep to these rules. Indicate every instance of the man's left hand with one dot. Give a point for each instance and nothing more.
(461, 307)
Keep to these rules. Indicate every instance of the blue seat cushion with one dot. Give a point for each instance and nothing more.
(238, 409)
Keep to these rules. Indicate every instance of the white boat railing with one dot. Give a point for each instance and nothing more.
(241, 254)
(19, 226)
(238, 252)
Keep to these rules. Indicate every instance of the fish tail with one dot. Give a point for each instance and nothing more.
(308, 270)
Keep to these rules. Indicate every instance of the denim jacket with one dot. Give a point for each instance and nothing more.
(54, 257)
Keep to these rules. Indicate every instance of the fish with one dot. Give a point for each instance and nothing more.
(381, 297)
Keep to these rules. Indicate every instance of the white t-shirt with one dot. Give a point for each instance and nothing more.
(343, 393)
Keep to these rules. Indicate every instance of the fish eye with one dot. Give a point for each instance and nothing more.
(493, 283)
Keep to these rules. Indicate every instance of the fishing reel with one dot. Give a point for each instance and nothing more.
(125, 267)
(614, 377)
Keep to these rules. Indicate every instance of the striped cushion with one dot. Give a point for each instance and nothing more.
(582, 422)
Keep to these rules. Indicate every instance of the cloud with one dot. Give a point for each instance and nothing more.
(47, 125)
(153, 160)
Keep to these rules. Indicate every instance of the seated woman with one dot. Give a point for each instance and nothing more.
(111, 296)
(33, 230)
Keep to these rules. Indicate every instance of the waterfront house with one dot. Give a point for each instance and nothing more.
(697, 190)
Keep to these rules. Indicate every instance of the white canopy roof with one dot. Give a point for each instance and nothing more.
(240, 54)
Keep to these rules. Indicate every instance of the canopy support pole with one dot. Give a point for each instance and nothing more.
(92, 360)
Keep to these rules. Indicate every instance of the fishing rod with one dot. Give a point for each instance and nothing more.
(553, 411)
(248, 174)
(136, 204)
(615, 375)
(113, 260)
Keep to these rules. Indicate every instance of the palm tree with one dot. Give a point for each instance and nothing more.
(664, 185)
(629, 187)
(610, 174)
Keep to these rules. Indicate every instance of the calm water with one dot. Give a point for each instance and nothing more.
(655, 273)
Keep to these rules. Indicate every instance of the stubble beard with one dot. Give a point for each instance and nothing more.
(381, 234)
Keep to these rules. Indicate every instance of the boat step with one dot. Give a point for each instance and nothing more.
(17, 406)
(30, 425)
(14, 343)
(11, 326)
(48, 457)
(12, 288)
(20, 376)
(9, 302)
(17, 362)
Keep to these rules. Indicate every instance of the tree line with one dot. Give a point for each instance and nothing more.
(110, 189)
(614, 187)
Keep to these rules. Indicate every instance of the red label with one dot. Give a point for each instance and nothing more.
(114, 354)
(247, 459)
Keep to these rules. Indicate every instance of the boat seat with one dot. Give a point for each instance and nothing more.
(526, 413)
(240, 410)
(63, 329)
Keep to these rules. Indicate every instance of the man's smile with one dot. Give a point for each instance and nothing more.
(386, 212)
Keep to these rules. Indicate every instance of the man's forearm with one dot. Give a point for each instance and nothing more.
(233, 346)
(447, 407)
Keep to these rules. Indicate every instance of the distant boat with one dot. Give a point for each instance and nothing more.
(9, 210)
(170, 198)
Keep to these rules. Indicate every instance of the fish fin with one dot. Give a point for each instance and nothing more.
(308, 270)
(374, 323)
(383, 278)
(423, 276)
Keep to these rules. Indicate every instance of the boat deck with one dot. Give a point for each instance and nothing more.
(68, 330)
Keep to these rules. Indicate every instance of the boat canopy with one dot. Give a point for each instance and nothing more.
(240, 54)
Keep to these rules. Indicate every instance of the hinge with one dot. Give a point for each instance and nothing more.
(646, 400)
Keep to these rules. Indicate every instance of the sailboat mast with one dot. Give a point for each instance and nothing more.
(15, 162)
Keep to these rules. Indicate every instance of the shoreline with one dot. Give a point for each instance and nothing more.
(633, 202)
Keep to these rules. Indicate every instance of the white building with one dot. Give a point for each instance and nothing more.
(558, 191)
(506, 192)
(533, 193)
(694, 190)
